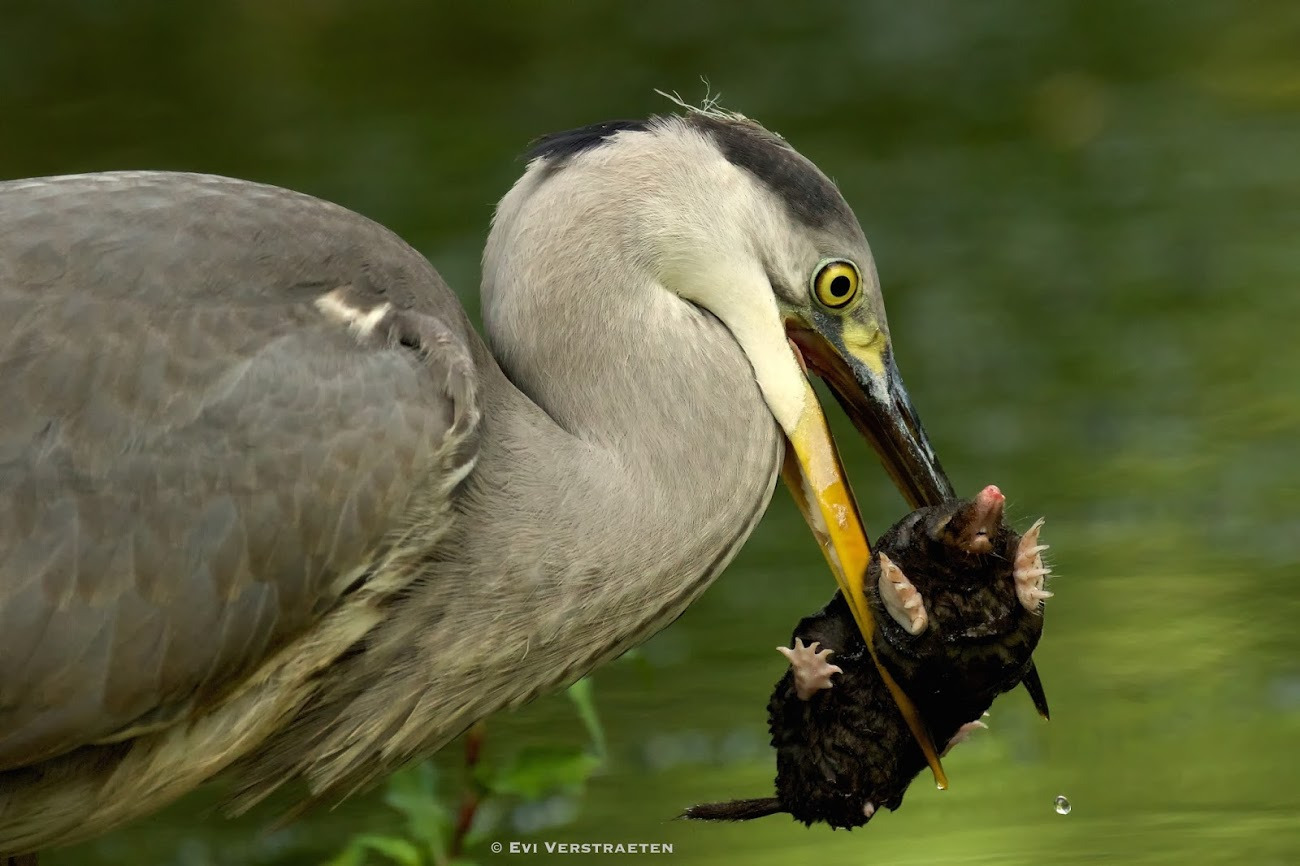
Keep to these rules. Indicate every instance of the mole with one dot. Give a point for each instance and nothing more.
(957, 596)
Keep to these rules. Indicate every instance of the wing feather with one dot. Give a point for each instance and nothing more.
(193, 458)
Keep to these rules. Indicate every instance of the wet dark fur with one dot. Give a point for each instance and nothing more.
(850, 744)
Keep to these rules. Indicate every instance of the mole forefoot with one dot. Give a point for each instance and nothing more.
(901, 599)
(812, 672)
(1030, 571)
(963, 734)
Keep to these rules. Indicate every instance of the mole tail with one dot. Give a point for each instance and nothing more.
(734, 810)
(1034, 686)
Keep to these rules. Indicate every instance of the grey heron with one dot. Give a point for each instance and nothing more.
(269, 505)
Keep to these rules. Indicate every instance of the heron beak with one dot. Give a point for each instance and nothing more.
(859, 367)
(866, 383)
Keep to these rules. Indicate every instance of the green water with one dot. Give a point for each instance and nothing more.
(1086, 216)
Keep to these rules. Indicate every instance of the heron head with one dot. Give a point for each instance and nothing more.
(726, 215)
(818, 270)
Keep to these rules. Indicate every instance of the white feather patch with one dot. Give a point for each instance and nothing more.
(360, 322)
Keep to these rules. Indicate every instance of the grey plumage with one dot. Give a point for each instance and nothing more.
(269, 504)
(219, 430)
(809, 195)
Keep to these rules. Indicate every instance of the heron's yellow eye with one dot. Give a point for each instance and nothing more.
(836, 284)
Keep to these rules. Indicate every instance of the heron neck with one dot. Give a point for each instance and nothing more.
(602, 524)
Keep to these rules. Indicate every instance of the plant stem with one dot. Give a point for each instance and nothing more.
(473, 791)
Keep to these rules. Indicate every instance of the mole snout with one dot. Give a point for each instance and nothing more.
(989, 505)
(973, 526)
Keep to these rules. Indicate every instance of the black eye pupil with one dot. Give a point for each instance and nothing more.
(840, 286)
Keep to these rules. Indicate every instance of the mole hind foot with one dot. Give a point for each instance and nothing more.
(963, 734)
(812, 672)
(1030, 571)
(869, 809)
(901, 598)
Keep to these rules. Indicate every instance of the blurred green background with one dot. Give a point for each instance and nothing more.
(1086, 217)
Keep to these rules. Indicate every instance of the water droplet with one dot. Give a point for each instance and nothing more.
(1063, 806)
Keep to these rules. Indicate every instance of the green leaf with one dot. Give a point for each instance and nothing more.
(413, 791)
(353, 855)
(416, 779)
(580, 694)
(398, 850)
(486, 819)
(536, 772)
